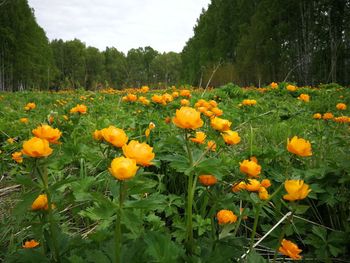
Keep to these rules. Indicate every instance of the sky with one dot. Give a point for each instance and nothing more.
(165, 25)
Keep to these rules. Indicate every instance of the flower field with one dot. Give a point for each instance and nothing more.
(179, 175)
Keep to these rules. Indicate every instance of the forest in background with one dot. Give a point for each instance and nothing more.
(248, 42)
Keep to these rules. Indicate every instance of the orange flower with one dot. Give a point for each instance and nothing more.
(341, 106)
(97, 135)
(188, 118)
(328, 116)
(265, 183)
(213, 103)
(131, 97)
(291, 88)
(36, 147)
(185, 102)
(304, 97)
(342, 119)
(211, 146)
(144, 89)
(274, 85)
(207, 179)
(24, 120)
(30, 244)
(123, 168)
(263, 194)
(200, 138)
(226, 217)
(217, 111)
(299, 147)
(45, 131)
(81, 108)
(296, 189)
(30, 106)
(238, 187)
(317, 116)
(250, 168)
(17, 156)
(249, 102)
(289, 249)
(158, 99)
(231, 137)
(40, 203)
(114, 136)
(185, 93)
(167, 97)
(220, 124)
(167, 120)
(175, 94)
(253, 185)
(142, 153)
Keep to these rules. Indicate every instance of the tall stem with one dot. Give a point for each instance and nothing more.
(256, 220)
(44, 178)
(118, 230)
(190, 193)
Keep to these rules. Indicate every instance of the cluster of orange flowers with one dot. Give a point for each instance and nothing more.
(124, 168)
(208, 108)
(248, 102)
(30, 106)
(80, 108)
(304, 97)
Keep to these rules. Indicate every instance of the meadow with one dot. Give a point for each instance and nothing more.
(230, 174)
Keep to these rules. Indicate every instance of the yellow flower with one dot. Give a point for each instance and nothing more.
(253, 185)
(342, 119)
(81, 108)
(207, 179)
(131, 97)
(290, 249)
(213, 103)
(36, 147)
(200, 138)
(167, 97)
(65, 117)
(10, 140)
(220, 124)
(45, 131)
(158, 99)
(231, 137)
(24, 120)
(114, 136)
(299, 146)
(304, 97)
(211, 146)
(142, 153)
(175, 94)
(30, 244)
(97, 135)
(341, 106)
(17, 156)
(328, 116)
(144, 89)
(317, 116)
(188, 118)
(263, 194)
(123, 168)
(40, 203)
(250, 168)
(296, 189)
(226, 217)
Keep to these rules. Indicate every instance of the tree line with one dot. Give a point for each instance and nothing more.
(248, 42)
(260, 41)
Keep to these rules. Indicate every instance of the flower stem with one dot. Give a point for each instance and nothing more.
(118, 231)
(281, 237)
(44, 178)
(256, 220)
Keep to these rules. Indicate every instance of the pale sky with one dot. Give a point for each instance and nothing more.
(165, 25)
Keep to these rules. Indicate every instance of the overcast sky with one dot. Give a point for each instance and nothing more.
(165, 25)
